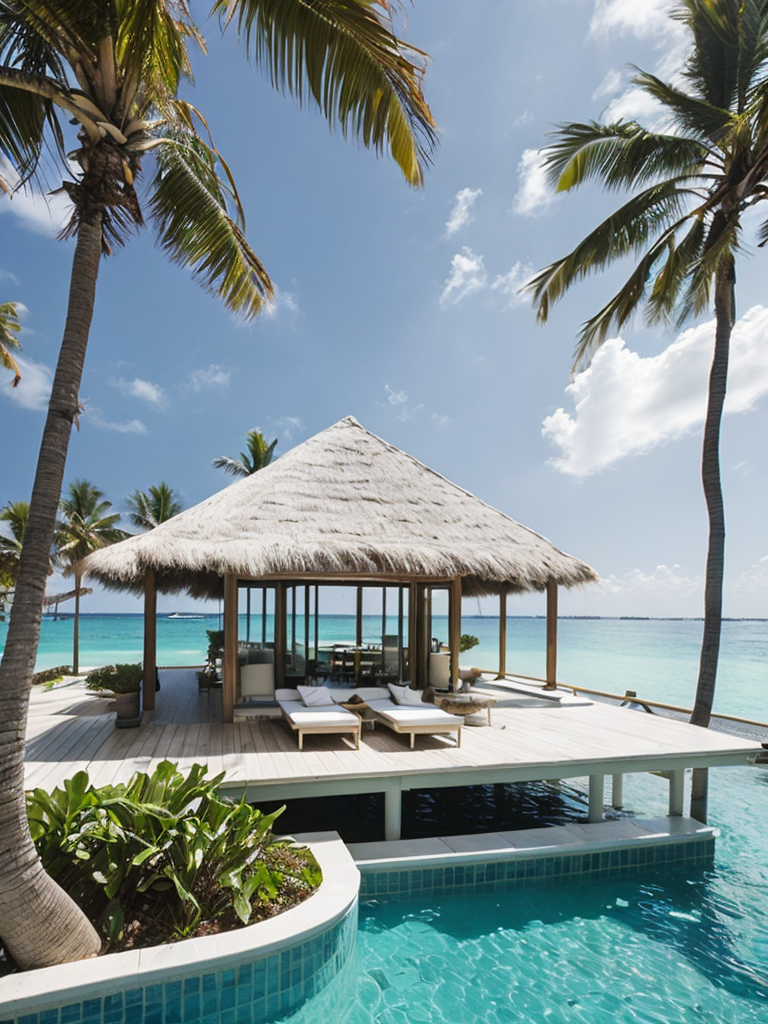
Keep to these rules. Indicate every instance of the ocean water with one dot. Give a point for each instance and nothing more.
(658, 658)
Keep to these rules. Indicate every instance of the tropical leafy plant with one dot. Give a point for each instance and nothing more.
(467, 642)
(166, 856)
(123, 678)
(693, 178)
(258, 455)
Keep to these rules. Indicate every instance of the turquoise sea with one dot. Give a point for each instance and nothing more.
(661, 948)
(658, 658)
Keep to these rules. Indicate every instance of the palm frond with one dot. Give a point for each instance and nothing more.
(695, 116)
(619, 155)
(9, 328)
(661, 207)
(345, 56)
(188, 205)
(718, 249)
(681, 259)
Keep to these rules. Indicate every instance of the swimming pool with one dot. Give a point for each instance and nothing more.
(668, 947)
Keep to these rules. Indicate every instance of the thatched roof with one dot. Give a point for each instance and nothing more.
(342, 503)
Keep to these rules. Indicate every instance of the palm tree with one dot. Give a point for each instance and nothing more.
(692, 182)
(9, 328)
(116, 70)
(15, 513)
(147, 509)
(257, 455)
(86, 525)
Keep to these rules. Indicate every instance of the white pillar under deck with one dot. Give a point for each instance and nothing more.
(676, 791)
(393, 812)
(617, 790)
(596, 797)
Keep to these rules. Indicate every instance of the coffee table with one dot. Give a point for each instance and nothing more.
(466, 704)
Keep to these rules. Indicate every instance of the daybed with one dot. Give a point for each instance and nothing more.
(324, 717)
(411, 716)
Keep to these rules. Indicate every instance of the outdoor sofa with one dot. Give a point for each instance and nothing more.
(410, 716)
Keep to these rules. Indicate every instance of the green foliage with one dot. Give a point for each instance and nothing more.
(166, 857)
(117, 678)
(468, 642)
(215, 644)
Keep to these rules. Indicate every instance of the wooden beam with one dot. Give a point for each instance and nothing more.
(280, 620)
(150, 640)
(229, 665)
(413, 631)
(551, 635)
(359, 618)
(454, 629)
(502, 635)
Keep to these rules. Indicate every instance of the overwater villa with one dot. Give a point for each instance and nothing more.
(346, 509)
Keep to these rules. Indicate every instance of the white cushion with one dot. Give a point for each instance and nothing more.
(405, 695)
(315, 696)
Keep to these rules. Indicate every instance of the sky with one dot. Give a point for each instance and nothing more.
(402, 307)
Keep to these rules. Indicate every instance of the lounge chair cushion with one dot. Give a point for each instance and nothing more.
(315, 696)
(405, 695)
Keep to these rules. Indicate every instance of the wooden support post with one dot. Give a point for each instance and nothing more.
(551, 683)
(150, 640)
(414, 617)
(280, 620)
(617, 792)
(676, 792)
(229, 662)
(359, 618)
(596, 797)
(699, 794)
(502, 635)
(393, 812)
(454, 629)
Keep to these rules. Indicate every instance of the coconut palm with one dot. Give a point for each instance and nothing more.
(257, 455)
(147, 509)
(692, 179)
(116, 70)
(9, 328)
(87, 524)
(15, 514)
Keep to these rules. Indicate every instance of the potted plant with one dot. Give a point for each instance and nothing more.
(124, 681)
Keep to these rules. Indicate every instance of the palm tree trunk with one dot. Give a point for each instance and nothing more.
(39, 923)
(76, 628)
(713, 495)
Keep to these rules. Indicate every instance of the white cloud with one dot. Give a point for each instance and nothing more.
(609, 85)
(467, 276)
(663, 581)
(289, 426)
(637, 105)
(43, 214)
(509, 284)
(283, 302)
(34, 388)
(212, 377)
(461, 214)
(647, 19)
(534, 192)
(6, 275)
(97, 418)
(395, 397)
(755, 578)
(626, 404)
(143, 389)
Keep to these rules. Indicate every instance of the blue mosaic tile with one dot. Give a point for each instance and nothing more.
(29, 1018)
(49, 1016)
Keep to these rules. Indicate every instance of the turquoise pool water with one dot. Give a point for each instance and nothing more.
(665, 948)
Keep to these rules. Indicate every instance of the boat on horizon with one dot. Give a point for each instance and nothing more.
(184, 615)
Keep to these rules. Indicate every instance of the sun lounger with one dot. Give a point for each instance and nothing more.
(317, 719)
(415, 721)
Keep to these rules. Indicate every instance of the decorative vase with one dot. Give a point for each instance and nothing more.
(128, 710)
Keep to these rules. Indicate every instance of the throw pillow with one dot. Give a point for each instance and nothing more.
(405, 695)
(315, 696)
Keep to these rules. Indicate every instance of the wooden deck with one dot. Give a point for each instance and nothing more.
(70, 730)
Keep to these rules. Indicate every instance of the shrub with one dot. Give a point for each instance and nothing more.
(166, 857)
(468, 642)
(117, 678)
(215, 644)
